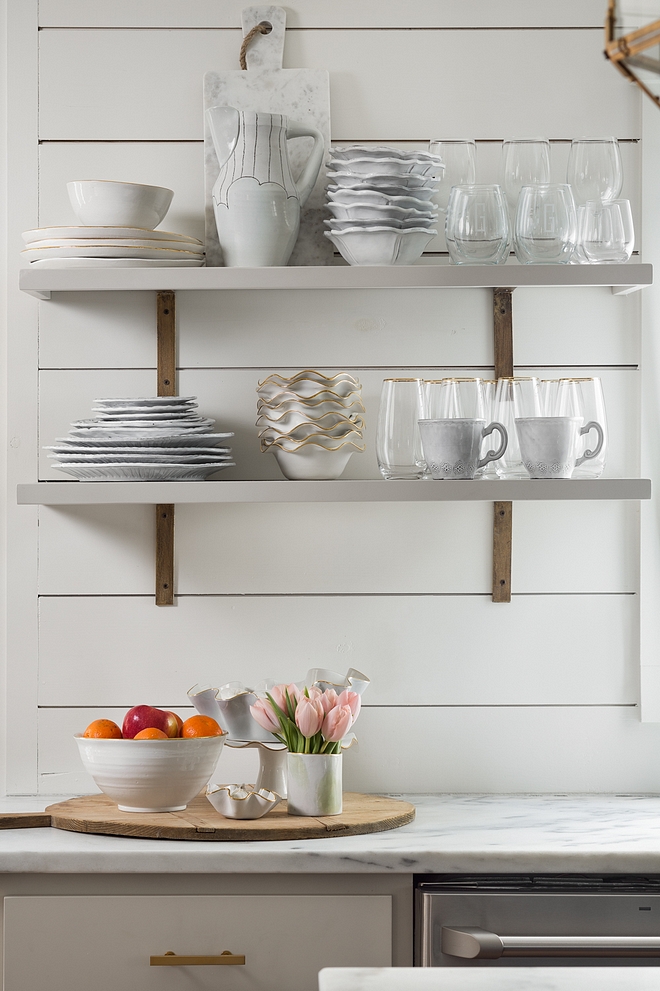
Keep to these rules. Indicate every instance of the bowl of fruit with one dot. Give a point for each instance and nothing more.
(156, 762)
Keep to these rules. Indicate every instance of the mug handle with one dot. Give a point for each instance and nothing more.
(496, 455)
(588, 455)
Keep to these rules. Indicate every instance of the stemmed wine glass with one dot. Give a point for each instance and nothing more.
(595, 171)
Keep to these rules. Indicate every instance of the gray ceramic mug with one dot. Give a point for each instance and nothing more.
(451, 447)
(549, 444)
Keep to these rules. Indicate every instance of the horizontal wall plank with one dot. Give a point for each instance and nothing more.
(229, 396)
(397, 327)
(158, 93)
(365, 548)
(417, 650)
(320, 14)
(483, 749)
(179, 166)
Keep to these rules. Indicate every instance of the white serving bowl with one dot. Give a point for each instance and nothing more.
(103, 203)
(242, 801)
(381, 245)
(151, 775)
(312, 463)
(379, 212)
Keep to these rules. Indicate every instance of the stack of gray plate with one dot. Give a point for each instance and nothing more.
(161, 438)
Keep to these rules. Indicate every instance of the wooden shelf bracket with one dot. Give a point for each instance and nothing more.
(503, 511)
(167, 386)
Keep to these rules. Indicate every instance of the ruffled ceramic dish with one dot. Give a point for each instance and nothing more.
(368, 225)
(359, 210)
(242, 801)
(390, 190)
(311, 462)
(387, 165)
(376, 197)
(380, 151)
(381, 245)
(412, 182)
(311, 374)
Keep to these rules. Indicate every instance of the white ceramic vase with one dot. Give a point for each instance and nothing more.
(314, 784)
(256, 200)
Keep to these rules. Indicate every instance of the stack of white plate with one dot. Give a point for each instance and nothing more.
(110, 247)
(160, 438)
(380, 200)
(311, 422)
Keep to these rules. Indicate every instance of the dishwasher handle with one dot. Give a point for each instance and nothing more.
(472, 943)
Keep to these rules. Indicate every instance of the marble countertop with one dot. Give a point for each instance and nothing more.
(451, 834)
(488, 979)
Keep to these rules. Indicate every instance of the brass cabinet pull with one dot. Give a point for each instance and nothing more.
(171, 959)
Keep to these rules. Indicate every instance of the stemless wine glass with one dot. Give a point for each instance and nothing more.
(546, 225)
(455, 398)
(514, 398)
(459, 156)
(583, 397)
(477, 225)
(606, 234)
(525, 161)
(398, 441)
(594, 170)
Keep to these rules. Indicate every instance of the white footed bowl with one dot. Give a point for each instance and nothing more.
(312, 462)
(151, 775)
(103, 203)
(381, 246)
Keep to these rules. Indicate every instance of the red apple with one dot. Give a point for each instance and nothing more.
(174, 724)
(144, 717)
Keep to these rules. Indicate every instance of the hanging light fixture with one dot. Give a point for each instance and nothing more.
(632, 42)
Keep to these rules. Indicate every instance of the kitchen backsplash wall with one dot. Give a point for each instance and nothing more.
(538, 695)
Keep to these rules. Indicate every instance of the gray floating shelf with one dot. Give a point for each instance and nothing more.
(42, 282)
(371, 490)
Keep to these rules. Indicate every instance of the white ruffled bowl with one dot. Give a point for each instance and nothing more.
(242, 801)
(381, 245)
(312, 462)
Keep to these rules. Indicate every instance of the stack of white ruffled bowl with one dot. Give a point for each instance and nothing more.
(311, 422)
(380, 200)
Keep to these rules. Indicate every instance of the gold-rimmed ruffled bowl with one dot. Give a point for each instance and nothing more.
(242, 801)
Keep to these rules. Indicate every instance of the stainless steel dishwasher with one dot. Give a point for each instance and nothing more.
(510, 920)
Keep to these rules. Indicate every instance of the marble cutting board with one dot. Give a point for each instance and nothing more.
(301, 94)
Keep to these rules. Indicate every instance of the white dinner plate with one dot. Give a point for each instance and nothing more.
(141, 456)
(157, 439)
(196, 262)
(148, 414)
(144, 400)
(115, 242)
(142, 472)
(198, 422)
(39, 233)
(107, 251)
(140, 435)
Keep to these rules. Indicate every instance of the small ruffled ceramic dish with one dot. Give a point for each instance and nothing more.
(381, 245)
(305, 388)
(291, 445)
(359, 210)
(312, 462)
(349, 180)
(387, 165)
(380, 151)
(376, 197)
(391, 190)
(311, 375)
(286, 422)
(369, 225)
(242, 801)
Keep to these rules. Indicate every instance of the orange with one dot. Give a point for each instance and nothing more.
(201, 726)
(151, 733)
(103, 729)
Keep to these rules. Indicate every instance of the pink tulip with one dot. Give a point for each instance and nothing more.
(278, 693)
(351, 699)
(262, 712)
(329, 699)
(337, 723)
(309, 716)
(314, 692)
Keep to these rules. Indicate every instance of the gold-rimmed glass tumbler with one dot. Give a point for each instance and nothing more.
(398, 441)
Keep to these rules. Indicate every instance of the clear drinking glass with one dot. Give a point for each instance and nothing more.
(583, 397)
(488, 387)
(545, 230)
(525, 162)
(548, 393)
(455, 398)
(594, 170)
(459, 156)
(514, 397)
(606, 235)
(477, 226)
(398, 441)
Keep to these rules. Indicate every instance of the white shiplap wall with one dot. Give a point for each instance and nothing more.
(541, 694)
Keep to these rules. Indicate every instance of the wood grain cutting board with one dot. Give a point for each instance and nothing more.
(200, 821)
(301, 94)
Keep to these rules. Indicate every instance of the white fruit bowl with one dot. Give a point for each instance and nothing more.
(151, 775)
(102, 203)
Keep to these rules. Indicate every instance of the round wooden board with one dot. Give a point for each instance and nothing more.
(200, 821)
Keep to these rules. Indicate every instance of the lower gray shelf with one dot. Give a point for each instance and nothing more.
(371, 490)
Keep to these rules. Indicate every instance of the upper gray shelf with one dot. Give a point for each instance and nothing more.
(370, 490)
(42, 282)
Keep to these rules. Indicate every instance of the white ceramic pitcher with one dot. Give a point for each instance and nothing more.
(255, 198)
